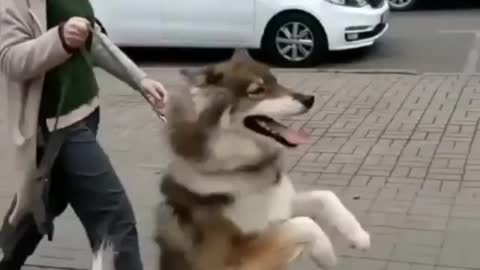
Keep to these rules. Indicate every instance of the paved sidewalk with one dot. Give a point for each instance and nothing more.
(409, 146)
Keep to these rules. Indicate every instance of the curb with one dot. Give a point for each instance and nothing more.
(411, 72)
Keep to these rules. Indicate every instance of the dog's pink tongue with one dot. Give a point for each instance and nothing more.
(296, 136)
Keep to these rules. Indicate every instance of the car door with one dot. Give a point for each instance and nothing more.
(209, 23)
(131, 23)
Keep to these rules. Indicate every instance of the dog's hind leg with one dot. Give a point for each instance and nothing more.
(306, 236)
(325, 206)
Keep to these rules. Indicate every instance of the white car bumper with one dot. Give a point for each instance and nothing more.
(350, 28)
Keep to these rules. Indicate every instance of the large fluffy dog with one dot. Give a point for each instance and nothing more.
(233, 205)
(229, 203)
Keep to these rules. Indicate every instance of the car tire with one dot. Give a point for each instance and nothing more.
(402, 5)
(315, 41)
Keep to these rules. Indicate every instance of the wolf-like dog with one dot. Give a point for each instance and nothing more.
(229, 203)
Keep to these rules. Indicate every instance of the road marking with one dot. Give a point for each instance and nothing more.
(473, 57)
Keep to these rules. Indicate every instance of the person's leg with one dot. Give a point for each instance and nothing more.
(26, 235)
(97, 195)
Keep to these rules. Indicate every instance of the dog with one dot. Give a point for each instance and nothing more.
(229, 203)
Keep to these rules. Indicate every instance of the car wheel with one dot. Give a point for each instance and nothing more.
(402, 5)
(295, 40)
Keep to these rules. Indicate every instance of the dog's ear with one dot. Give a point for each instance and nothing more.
(241, 54)
(194, 76)
(201, 76)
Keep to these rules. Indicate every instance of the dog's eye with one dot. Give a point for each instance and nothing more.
(257, 92)
(256, 88)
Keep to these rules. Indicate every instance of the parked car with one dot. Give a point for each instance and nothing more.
(291, 32)
(402, 5)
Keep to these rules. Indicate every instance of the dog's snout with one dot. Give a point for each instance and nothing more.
(306, 100)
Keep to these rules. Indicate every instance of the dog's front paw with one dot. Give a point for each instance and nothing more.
(361, 241)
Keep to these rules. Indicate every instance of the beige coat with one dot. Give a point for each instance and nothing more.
(27, 51)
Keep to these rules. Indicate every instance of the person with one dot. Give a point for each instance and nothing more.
(47, 55)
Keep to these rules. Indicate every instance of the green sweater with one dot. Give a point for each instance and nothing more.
(82, 87)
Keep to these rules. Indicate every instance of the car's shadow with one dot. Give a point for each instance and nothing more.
(195, 57)
(176, 56)
(440, 5)
(189, 57)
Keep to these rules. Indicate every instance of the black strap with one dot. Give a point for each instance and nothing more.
(55, 140)
(43, 173)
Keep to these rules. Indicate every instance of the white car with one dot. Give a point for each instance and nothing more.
(290, 32)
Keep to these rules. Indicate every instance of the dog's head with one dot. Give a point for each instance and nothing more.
(242, 95)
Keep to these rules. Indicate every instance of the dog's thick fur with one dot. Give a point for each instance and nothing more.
(229, 201)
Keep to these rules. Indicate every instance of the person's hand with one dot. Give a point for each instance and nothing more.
(156, 95)
(75, 32)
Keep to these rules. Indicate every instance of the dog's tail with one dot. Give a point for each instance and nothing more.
(103, 257)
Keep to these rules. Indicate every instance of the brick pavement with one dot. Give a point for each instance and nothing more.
(408, 146)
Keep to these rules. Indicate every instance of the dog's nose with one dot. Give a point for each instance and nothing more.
(306, 100)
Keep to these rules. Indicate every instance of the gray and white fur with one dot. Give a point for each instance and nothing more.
(226, 166)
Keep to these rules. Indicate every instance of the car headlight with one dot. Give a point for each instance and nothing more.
(349, 3)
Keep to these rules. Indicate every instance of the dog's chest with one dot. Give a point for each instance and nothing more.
(255, 211)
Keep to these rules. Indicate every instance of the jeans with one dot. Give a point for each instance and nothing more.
(84, 178)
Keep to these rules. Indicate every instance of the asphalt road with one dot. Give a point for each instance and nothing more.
(435, 38)
(425, 41)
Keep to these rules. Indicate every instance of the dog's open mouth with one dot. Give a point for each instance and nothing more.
(268, 127)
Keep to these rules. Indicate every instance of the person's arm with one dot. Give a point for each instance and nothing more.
(108, 56)
(22, 56)
(118, 64)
